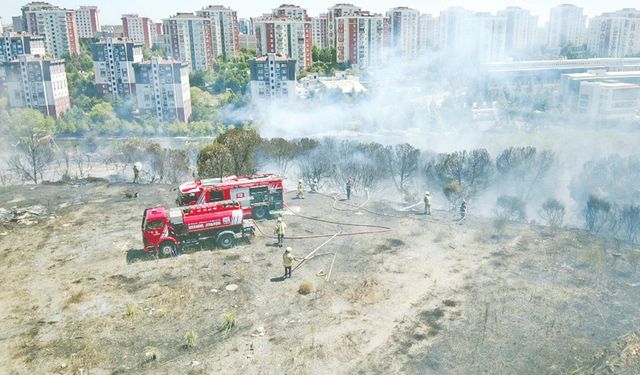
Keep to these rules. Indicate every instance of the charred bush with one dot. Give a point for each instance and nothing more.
(523, 169)
(598, 214)
(552, 211)
(511, 208)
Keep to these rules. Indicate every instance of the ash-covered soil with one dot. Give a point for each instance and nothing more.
(428, 296)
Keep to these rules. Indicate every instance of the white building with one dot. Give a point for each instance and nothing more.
(521, 30)
(338, 10)
(273, 77)
(404, 30)
(566, 26)
(113, 60)
(290, 11)
(224, 30)
(57, 25)
(320, 31)
(488, 37)
(285, 36)
(88, 21)
(453, 26)
(609, 100)
(615, 34)
(429, 33)
(137, 28)
(340, 84)
(39, 83)
(362, 39)
(188, 38)
(162, 89)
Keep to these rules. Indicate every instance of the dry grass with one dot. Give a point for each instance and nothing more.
(75, 297)
(305, 287)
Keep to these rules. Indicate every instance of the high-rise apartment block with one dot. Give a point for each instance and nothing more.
(138, 29)
(113, 60)
(88, 21)
(429, 32)
(162, 89)
(404, 30)
(615, 34)
(188, 38)
(15, 44)
(521, 30)
(566, 26)
(319, 30)
(224, 30)
(57, 25)
(338, 10)
(290, 11)
(39, 83)
(272, 77)
(362, 39)
(285, 36)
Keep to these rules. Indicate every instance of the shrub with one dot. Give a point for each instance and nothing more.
(305, 287)
(511, 208)
(553, 212)
(597, 214)
(151, 353)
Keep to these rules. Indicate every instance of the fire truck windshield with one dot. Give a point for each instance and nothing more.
(155, 224)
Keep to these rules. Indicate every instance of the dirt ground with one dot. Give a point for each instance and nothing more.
(429, 295)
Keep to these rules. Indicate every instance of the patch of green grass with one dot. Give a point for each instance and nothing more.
(230, 320)
(131, 311)
(192, 339)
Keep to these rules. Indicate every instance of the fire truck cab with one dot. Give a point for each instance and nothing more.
(259, 195)
(168, 231)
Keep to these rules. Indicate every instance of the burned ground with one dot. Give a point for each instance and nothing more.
(427, 296)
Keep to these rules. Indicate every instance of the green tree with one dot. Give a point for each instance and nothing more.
(203, 105)
(242, 143)
(214, 160)
(25, 122)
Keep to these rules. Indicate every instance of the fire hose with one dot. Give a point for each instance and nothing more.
(379, 228)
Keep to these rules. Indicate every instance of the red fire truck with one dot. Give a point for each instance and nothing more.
(167, 231)
(259, 195)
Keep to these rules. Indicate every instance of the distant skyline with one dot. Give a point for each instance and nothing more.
(111, 10)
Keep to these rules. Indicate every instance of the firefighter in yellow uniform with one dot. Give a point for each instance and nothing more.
(280, 230)
(300, 190)
(427, 203)
(287, 262)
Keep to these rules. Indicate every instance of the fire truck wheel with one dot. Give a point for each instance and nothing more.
(226, 240)
(167, 249)
(260, 212)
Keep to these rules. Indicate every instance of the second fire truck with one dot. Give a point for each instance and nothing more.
(259, 195)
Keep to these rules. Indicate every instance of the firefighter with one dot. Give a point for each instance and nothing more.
(136, 174)
(463, 209)
(280, 230)
(427, 203)
(287, 262)
(314, 185)
(349, 186)
(300, 194)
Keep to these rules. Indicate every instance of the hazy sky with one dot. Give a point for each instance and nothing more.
(158, 9)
